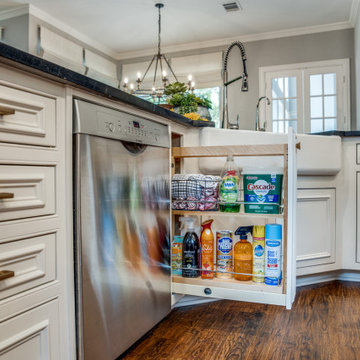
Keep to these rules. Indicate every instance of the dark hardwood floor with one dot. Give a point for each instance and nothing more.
(324, 323)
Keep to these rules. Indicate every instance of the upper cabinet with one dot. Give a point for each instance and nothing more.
(40, 38)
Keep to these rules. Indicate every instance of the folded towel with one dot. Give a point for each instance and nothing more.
(194, 185)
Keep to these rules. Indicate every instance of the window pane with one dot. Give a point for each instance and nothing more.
(290, 87)
(329, 84)
(316, 107)
(316, 85)
(330, 124)
(293, 124)
(278, 109)
(291, 110)
(277, 88)
(275, 126)
(286, 124)
(330, 106)
(281, 126)
(316, 125)
(212, 94)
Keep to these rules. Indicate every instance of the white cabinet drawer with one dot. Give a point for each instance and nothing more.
(32, 260)
(31, 120)
(31, 335)
(33, 188)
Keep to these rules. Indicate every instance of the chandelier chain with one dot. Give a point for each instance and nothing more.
(159, 33)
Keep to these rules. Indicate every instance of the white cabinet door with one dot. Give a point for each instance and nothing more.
(315, 230)
(32, 335)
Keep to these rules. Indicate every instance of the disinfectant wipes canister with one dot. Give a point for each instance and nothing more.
(273, 236)
(262, 191)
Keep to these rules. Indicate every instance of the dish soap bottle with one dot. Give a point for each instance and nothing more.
(190, 251)
(243, 255)
(207, 250)
(229, 188)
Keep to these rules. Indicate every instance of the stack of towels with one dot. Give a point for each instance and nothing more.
(195, 192)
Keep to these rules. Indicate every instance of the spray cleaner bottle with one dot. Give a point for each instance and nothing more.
(207, 250)
(243, 254)
(190, 250)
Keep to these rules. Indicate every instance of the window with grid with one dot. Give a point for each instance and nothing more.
(322, 102)
(311, 97)
(284, 103)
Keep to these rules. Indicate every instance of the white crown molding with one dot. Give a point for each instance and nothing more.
(34, 11)
(18, 11)
(354, 12)
(244, 38)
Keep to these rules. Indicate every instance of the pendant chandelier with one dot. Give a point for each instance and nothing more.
(161, 64)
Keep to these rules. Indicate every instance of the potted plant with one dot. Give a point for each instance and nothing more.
(185, 102)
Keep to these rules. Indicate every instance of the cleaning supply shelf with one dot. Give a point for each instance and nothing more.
(282, 294)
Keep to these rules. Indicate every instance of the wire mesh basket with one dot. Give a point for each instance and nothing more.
(195, 192)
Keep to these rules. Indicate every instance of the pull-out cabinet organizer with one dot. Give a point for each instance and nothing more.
(232, 289)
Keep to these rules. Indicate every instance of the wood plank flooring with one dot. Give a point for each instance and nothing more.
(324, 323)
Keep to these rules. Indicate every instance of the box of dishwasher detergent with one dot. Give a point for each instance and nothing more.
(262, 190)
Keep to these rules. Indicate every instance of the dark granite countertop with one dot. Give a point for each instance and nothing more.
(339, 133)
(20, 58)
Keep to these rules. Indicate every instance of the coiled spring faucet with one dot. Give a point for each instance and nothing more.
(226, 82)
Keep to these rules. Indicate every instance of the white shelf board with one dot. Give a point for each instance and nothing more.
(230, 289)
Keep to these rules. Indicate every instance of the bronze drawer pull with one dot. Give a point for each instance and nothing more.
(5, 274)
(6, 111)
(5, 195)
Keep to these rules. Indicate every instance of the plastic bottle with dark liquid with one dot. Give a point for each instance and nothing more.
(191, 252)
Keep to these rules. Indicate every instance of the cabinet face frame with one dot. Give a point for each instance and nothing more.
(288, 288)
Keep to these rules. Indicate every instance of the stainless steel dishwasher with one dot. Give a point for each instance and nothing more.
(122, 228)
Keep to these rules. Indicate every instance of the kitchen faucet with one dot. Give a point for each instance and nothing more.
(226, 82)
(257, 120)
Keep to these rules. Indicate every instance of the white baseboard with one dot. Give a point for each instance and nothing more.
(329, 276)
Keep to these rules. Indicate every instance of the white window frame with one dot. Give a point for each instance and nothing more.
(339, 66)
(299, 95)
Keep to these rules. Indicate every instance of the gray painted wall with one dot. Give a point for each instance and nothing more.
(357, 67)
(21, 33)
(16, 32)
(288, 50)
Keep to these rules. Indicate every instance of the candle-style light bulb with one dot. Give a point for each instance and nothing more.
(153, 89)
(193, 84)
(126, 80)
(131, 86)
(190, 77)
(164, 74)
(139, 75)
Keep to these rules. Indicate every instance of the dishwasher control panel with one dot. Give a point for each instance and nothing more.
(97, 120)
